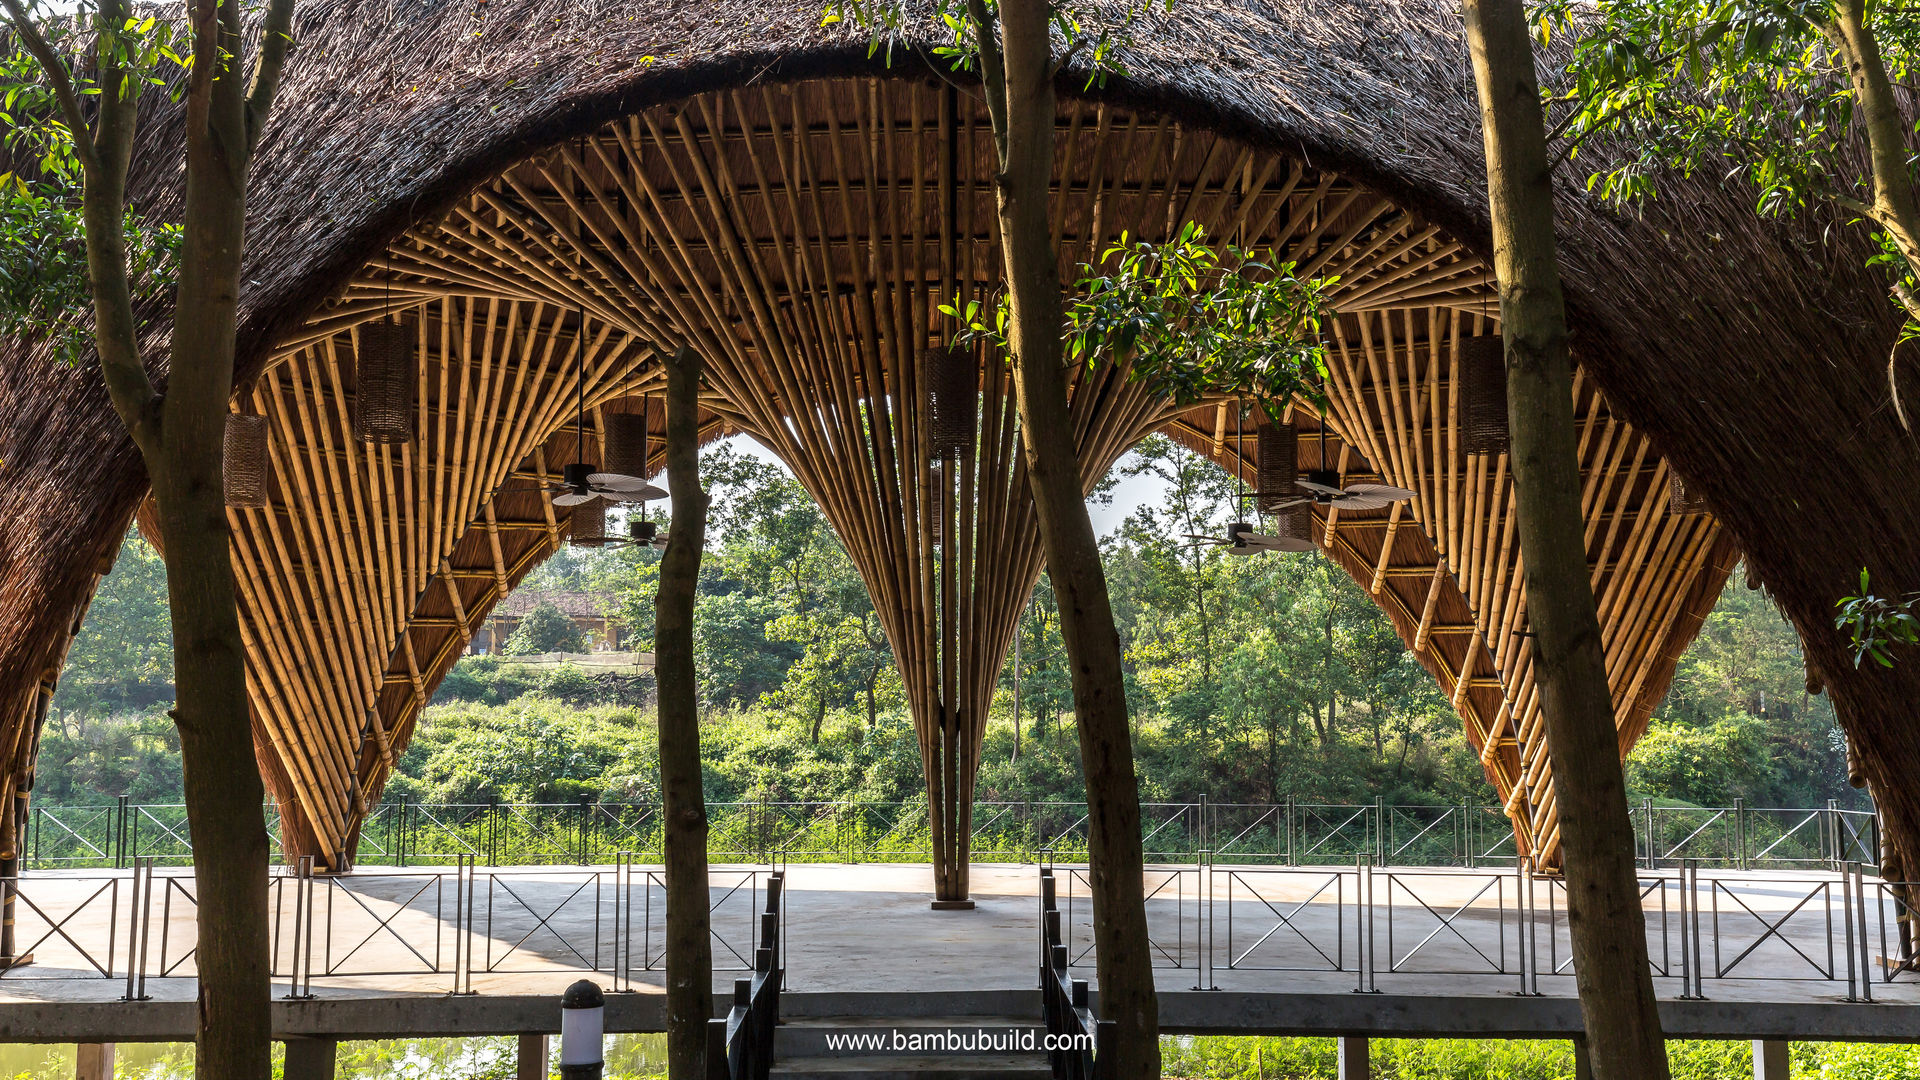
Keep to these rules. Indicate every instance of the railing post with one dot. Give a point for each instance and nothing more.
(1652, 849)
(1379, 831)
(1740, 833)
(1287, 824)
(1860, 902)
(586, 824)
(1834, 848)
(119, 832)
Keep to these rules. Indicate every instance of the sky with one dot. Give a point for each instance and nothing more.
(1129, 495)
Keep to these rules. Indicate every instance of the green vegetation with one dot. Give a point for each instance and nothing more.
(1252, 679)
(643, 1057)
(1245, 1058)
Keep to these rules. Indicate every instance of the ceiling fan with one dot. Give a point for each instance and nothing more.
(1321, 486)
(643, 533)
(1241, 539)
(580, 482)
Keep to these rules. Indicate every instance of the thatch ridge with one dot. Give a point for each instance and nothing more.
(1696, 317)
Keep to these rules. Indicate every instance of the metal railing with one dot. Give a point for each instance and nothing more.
(403, 833)
(740, 1045)
(1374, 922)
(1079, 1047)
(438, 927)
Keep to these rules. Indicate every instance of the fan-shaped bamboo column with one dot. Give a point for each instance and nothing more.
(1446, 566)
(802, 238)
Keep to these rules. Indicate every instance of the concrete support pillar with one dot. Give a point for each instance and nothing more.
(1356, 1058)
(1769, 1059)
(310, 1059)
(533, 1058)
(1582, 1064)
(94, 1062)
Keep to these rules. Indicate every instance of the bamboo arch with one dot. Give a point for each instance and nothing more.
(802, 238)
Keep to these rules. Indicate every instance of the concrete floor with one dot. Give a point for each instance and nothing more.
(382, 934)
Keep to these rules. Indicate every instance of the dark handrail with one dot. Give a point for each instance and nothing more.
(1079, 1047)
(740, 1046)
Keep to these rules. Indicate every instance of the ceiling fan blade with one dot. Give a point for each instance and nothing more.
(574, 498)
(1284, 504)
(1244, 549)
(1381, 491)
(1319, 489)
(1355, 501)
(643, 493)
(616, 481)
(1284, 543)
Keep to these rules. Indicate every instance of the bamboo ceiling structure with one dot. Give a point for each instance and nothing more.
(801, 237)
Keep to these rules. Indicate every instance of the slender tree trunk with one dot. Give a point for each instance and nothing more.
(1603, 896)
(689, 945)
(1016, 693)
(1020, 96)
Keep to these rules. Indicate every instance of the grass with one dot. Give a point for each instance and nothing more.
(1248, 1058)
(629, 1057)
(643, 1057)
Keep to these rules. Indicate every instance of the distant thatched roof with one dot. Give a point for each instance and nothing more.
(1751, 352)
(572, 604)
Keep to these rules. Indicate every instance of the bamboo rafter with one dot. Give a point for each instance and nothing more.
(802, 238)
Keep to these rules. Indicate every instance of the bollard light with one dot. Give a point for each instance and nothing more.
(583, 1020)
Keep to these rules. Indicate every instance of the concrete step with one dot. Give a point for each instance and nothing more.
(963, 1036)
(911, 1066)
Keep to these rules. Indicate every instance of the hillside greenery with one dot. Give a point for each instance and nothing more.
(1251, 680)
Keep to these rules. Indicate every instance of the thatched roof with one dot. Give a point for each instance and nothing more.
(1750, 352)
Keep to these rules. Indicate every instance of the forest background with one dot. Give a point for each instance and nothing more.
(1252, 679)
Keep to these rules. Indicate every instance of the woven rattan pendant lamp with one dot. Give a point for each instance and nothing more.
(244, 465)
(951, 388)
(587, 525)
(937, 501)
(626, 445)
(1480, 373)
(384, 379)
(1277, 467)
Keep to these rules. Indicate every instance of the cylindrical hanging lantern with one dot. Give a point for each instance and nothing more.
(1277, 472)
(952, 386)
(1480, 379)
(1682, 499)
(626, 444)
(936, 497)
(1295, 522)
(244, 453)
(587, 525)
(384, 383)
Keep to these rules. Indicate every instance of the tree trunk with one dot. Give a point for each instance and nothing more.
(1604, 917)
(689, 946)
(1895, 207)
(1024, 130)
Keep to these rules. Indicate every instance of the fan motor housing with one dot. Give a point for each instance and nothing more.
(1323, 477)
(575, 475)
